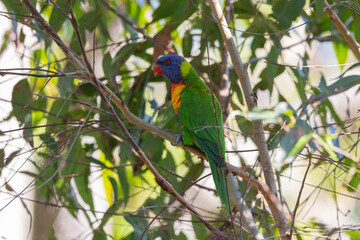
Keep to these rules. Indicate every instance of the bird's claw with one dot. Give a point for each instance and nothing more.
(178, 139)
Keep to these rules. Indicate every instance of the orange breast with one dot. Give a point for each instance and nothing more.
(176, 90)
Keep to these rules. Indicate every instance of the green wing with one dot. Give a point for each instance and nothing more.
(198, 117)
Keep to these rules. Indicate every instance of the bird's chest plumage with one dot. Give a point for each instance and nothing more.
(176, 90)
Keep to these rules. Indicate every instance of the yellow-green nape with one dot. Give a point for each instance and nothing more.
(185, 68)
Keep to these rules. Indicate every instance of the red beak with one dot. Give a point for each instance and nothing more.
(157, 70)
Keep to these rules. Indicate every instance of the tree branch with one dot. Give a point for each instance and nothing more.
(342, 29)
(251, 103)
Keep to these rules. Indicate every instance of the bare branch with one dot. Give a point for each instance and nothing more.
(342, 28)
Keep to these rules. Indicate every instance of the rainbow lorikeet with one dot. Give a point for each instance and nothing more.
(194, 103)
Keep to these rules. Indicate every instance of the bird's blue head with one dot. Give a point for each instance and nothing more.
(170, 67)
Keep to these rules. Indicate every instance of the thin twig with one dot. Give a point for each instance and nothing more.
(246, 216)
(76, 101)
(136, 28)
(298, 199)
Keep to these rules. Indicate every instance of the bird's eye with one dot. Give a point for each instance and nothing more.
(167, 61)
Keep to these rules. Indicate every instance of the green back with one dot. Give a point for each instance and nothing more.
(205, 125)
(198, 116)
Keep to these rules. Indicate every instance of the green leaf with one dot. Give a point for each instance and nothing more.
(65, 85)
(100, 235)
(354, 183)
(257, 42)
(354, 234)
(107, 65)
(283, 110)
(88, 90)
(21, 98)
(169, 162)
(21, 102)
(74, 43)
(356, 28)
(343, 84)
(109, 213)
(152, 146)
(269, 116)
(58, 108)
(166, 9)
(287, 11)
(244, 9)
(57, 17)
(18, 7)
(75, 156)
(82, 184)
(39, 103)
(139, 223)
(89, 20)
(300, 83)
(123, 55)
(270, 72)
(195, 170)
(341, 52)
(11, 157)
(187, 43)
(164, 115)
(300, 144)
(5, 43)
(114, 187)
(294, 141)
(121, 172)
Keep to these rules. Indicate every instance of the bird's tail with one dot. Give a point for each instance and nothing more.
(219, 175)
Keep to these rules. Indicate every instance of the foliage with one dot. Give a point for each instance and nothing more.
(73, 139)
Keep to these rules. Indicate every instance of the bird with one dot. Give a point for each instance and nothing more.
(200, 116)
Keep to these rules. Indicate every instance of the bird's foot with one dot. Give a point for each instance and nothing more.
(179, 138)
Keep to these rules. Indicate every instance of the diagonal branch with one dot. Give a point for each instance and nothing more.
(342, 29)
